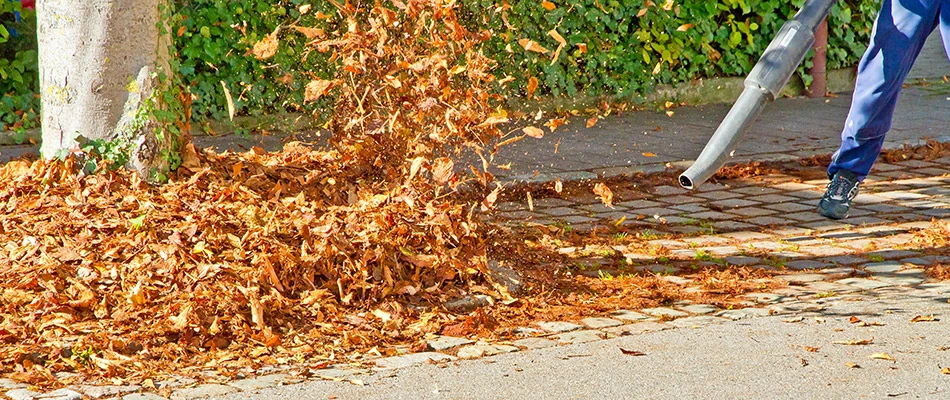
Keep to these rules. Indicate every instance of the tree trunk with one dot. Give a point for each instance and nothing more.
(99, 66)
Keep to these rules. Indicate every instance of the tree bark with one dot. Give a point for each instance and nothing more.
(99, 62)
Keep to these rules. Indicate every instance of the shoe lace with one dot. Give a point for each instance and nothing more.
(842, 188)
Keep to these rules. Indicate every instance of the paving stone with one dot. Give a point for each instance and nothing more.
(637, 328)
(788, 207)
(940, 287)
(680, 200)
(558, 211)
(484, 350)
(701, 309)
(719, 195)
(667, 190)
(745, 236)
(752, 212)
(756, 190)
(704, 240)
(721, 226)
(826, 225)
(765, 298)
(812, 194)
(733, 203)
(743, 313)
(769, 221)
(641, 204)
(677, 280)
(558, 326)
(98, 392)
(711, 215)
(917, 261)
(846, 259)
(259, 382)
(580, 336)
(440, 343)
(654, 211)
(550, 202)
(805, 264)
(696, 322)
(691, 208)
(884, 267)
(11, 384)
(764, 245)
(627, 315)
(22, 394)
(410, 359)
(827, 287)
(742, 260)
(336, 373)
(900, 280)
(142, 396)
(801, 278)
(664, 312)
(776, 200)
(202, 391)
(865, 284)
(598, 323)
(534, 343)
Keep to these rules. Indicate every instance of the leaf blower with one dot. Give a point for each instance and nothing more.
(763, 84)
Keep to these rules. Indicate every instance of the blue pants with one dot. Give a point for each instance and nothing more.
(899, 33)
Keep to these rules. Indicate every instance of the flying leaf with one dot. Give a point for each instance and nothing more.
(442, 170)
(533, 132)
(606, 196)
(317, 88)
(648, 154)
(882, 356)
(854, 320)
(852, 365)
(493, 120)
(532, 86)
(582, 47)
(558, 186)
(267, 47)
(310, 33)
(592, 121)
(642, 12)
(489, 202)
(554, 123)
(561, 44)
(922, 318)
(684, 27)
(548, 5)
(668, 6)
(531, 45)
(945, 371)
(227, 96)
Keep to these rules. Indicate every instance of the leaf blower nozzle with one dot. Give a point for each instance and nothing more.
(763, 85)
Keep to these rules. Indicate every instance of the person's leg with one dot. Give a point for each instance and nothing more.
(899, 33)
(944, 23)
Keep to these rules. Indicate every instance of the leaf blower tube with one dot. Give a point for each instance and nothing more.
(763, 84)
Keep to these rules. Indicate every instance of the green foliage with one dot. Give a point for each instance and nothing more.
(19, 104)
(214, 39)
(612, 47)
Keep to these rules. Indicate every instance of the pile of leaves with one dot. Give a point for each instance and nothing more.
(251, 258)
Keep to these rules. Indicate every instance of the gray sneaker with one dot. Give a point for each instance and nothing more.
(836, 203)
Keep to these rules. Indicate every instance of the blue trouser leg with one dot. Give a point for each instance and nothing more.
(899, 33)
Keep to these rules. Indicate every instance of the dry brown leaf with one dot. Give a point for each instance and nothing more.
(267, 47)
(548, 5)
(882, 356)
(531, 45)
(811, 349)
(852, 365)
(582, 47)
(854, 342)
(854, 320)
(317, 88)
(592, 121)
(923, 318)
(648, 154)
(945, 371)
(606, 196)
(310, 33)
(533, 132)
(532, 86)
(558, 186)
(554, 123)
(632, 352)
(684, 27)
(561, 44)
(442, 170)
(227, 96)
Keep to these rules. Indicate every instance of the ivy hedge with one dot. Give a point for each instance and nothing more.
(573, 47)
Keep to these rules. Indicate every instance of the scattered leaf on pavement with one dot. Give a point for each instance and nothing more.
(854, 342)
(923, 318)
(882, 356)
(632, 352)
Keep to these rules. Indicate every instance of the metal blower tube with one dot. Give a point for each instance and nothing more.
(763, 84)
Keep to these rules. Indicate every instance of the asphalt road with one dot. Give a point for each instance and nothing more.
(757, 358)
